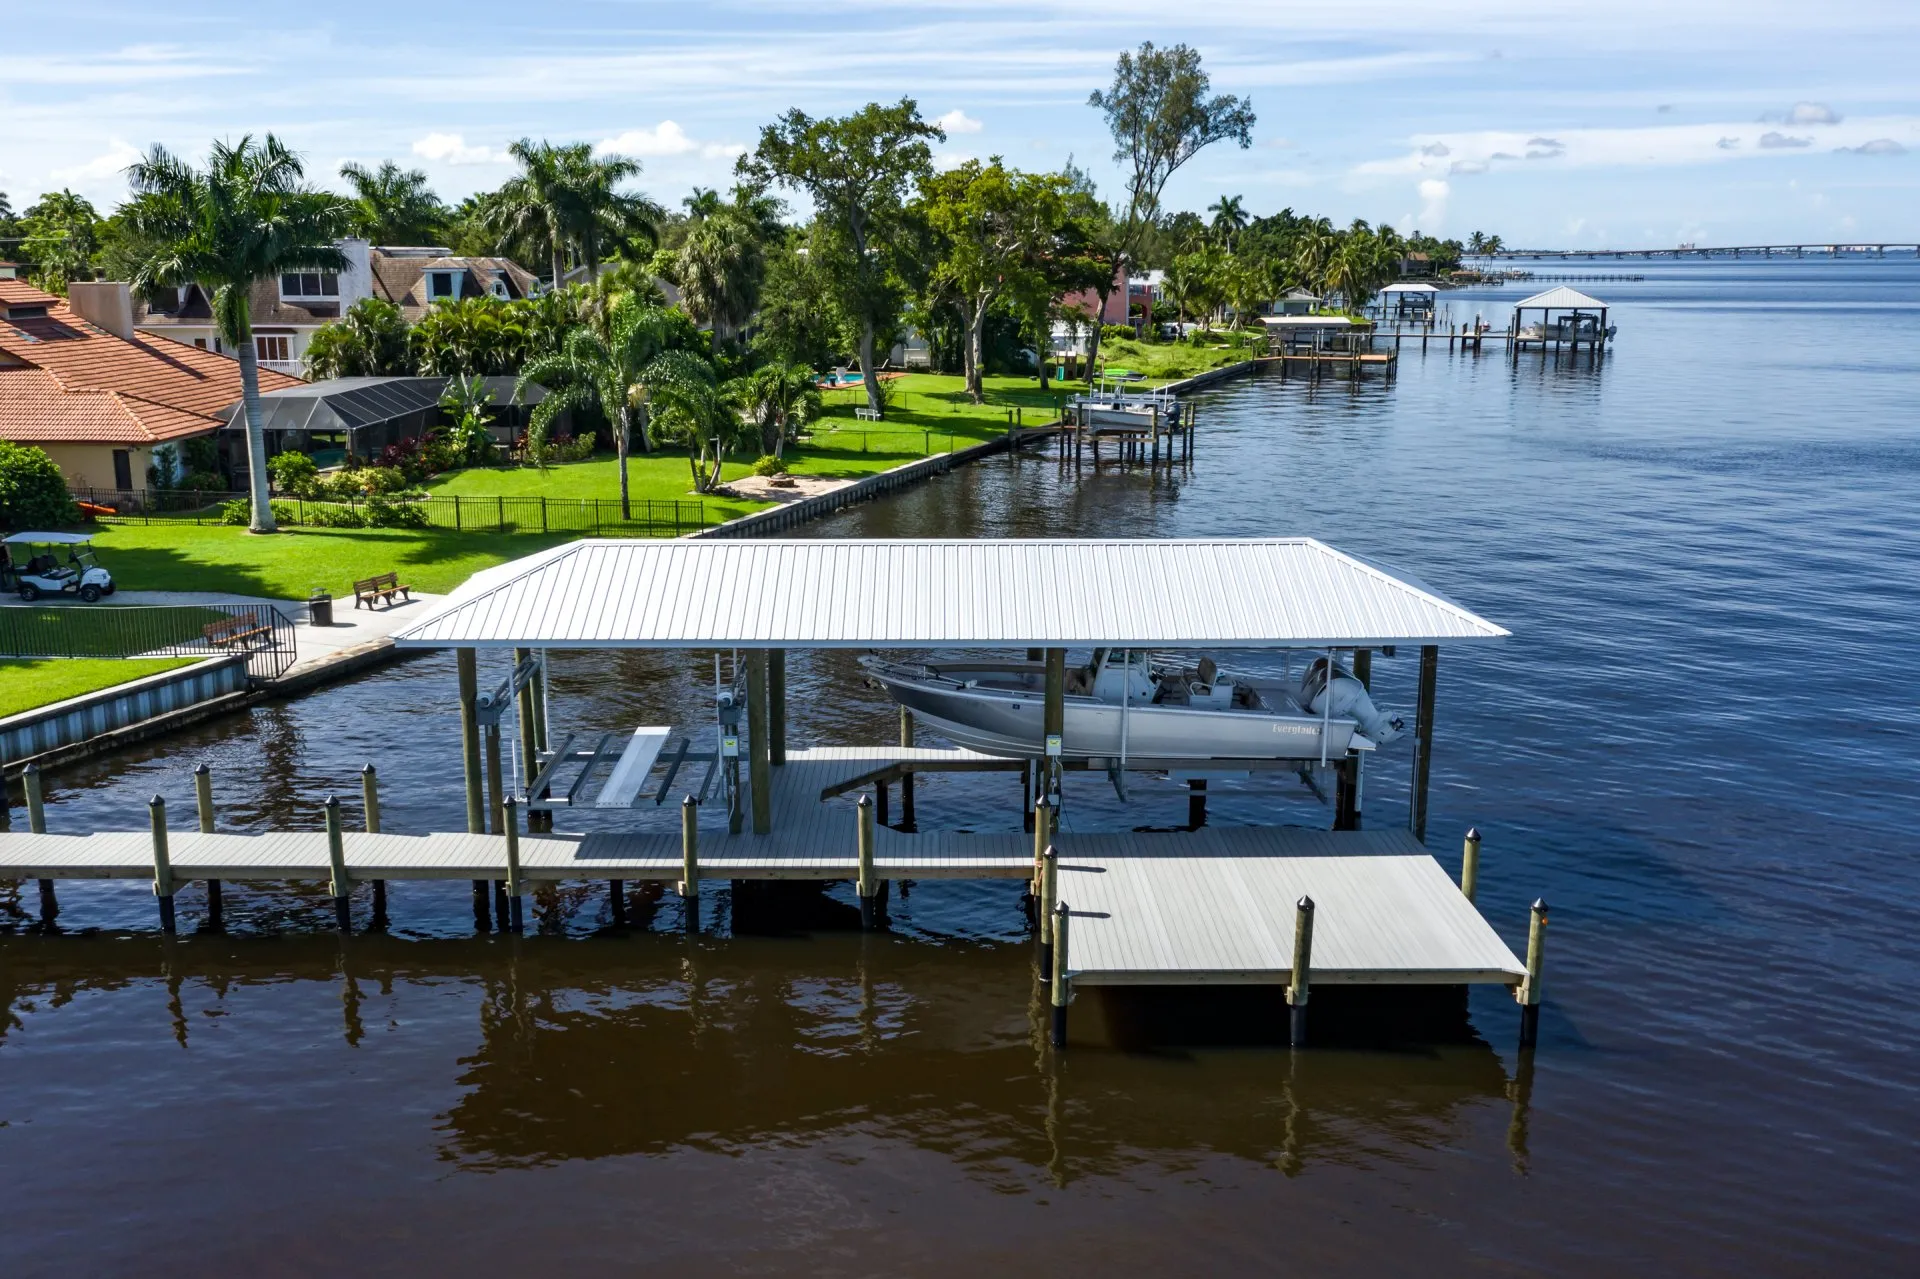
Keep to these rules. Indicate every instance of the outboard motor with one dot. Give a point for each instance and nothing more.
(1350, 700)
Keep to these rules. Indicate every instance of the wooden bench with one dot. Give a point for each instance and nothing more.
(235, 630)
(381, 586)
(867, 414)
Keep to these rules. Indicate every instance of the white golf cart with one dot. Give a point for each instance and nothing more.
(30, 565)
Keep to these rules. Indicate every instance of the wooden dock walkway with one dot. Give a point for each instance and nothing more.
(1213, 905)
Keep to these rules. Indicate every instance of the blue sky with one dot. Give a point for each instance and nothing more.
(1633, 123)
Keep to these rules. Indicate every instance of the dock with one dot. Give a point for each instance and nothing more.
(730, 801)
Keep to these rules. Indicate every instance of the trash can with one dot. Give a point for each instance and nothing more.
(320, 608)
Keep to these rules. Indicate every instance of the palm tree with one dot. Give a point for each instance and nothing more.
(1229, 218)
(1477, 243)
(478, 336)
(778, 398)
(392, 205)
(720, 267)
(690, 408)
(532, 207)
(607, 373)
(597, 217)
(248, 216)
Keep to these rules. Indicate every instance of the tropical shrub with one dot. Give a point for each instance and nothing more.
(381, 479)
(330, 515)
(370, 340)
(240, 511)
(163, 466)
(33, 493)
(384, 512)
(770, 465)
(293, 473)
(203, 482)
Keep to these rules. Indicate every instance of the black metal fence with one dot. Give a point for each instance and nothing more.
(651, 517)
(260, 631)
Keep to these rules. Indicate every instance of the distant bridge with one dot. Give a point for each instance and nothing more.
(1874, 250)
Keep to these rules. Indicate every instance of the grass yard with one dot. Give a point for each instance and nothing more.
(29, 683)
(1171, 361)
(174, 556)
(659, 476)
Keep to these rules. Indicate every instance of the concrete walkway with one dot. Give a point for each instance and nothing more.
(312, 644)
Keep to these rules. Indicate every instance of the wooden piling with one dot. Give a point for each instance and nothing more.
(496, 779)
(906, 780)
(516, 889)
(617, 902)
(203, 801)
(690, 859)
(1423, 741)
(1042, 837)
(758, 731)
(1196, 802)
(162, 863)
(31, 782)
(777, 707)
(1529, 992)
(1298, 987)
(866, 886)
(1470, 864)
(1054, 717)
(370, 805)
(1059, 992)
(1049, 896)
(337, 882)
(527, 705)
(467, 666)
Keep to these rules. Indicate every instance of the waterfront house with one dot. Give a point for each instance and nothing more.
(78, 380)
(287, 310)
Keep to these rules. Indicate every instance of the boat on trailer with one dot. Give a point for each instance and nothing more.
(1126, 705)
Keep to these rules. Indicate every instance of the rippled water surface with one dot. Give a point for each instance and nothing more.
(1699, 746)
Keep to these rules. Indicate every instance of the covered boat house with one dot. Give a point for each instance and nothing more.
(1560, 318)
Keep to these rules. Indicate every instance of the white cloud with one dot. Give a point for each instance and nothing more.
(1812, 113)
(1654, 145)
(958, 121)
(944, 160)
(665, 139)
(452, 148)
(1436, 148)
(108, 165)
(1433, 203)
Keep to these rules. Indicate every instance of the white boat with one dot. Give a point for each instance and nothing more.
(1124, 706)
(1116, 400)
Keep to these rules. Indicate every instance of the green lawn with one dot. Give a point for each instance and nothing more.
(175, 556)
(29, 683)
(659, 476)
(1171, 361)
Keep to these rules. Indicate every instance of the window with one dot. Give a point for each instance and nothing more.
(271, 347)
(440, 285)
(309, 284)
(201, 343)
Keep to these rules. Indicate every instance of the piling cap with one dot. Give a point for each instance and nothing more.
(1059, 908)
(158, 801)
(1540, 905)
(1305, 902)
(689, 801)
(1473, 833)
(365, 768)
(331, 801)
(199, 770)
(866, 801)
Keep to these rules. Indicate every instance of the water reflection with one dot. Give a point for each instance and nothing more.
(663, 1044)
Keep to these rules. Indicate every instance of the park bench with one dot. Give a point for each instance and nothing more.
(381, 586)
(230, 631)
(867, 414)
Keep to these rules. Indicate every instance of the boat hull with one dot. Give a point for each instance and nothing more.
(1011, 724)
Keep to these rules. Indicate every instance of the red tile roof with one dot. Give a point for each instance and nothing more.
(19, 293)
(74, 381)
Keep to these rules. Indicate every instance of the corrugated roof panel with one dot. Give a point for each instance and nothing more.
(1559, 297)
(697, 594)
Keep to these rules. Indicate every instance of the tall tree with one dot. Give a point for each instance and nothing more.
(997, 225)
(719, 268)
(62, 233)
(1229, 218)
(392, 205)
(532, 207)
(1162, 113)
(249, 215)
(858, 170)
(370, 340)
(598, 218)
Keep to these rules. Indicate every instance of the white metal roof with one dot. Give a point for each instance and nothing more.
(834, 593)
(1560, 297)
(1410, 288)
(1306, 321)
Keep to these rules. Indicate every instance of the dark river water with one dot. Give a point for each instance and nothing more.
(1701, 746)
